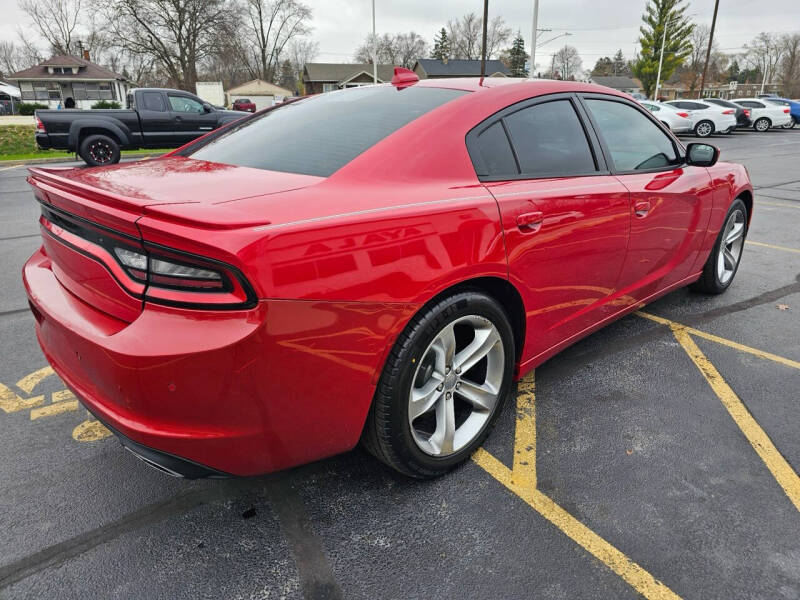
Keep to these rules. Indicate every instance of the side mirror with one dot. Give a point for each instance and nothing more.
(207, 107)
(702, 155)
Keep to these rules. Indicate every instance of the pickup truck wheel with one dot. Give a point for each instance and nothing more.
(98, 150)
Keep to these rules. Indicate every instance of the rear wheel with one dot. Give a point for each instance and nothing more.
(442, 386)
(98, 150)
(762, 124)
(723, 262)
(790, 125)
(704, 129)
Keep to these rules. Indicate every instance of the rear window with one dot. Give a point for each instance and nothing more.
(321, 134)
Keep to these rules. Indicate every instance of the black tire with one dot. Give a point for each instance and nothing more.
(99, 150)
(709, 282)
(790, 125)
(387, 432)
(762, 124)
(704, 128)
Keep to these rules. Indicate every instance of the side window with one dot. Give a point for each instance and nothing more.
(153, 101)
(652, 107)
(634, 141)
(495, 152)
(549, 140)
(698, 106)
(185, 105)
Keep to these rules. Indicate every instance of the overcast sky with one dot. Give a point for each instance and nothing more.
(597, 28)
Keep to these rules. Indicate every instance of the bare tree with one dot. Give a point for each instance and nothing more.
(400, 49)
(764, 53)
(566, 64)
(789, 68)
(16, 57)
(176, 34)
(272, 25)
(56, 21)
(465, 36)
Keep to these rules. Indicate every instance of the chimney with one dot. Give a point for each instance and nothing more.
(85, 55)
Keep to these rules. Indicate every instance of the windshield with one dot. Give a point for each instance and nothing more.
(321, 134)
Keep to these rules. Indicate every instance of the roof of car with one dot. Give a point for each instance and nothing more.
(542, 86)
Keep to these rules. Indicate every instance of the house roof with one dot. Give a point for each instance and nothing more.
(336, 72)
(460, 68)
(86, 70)
(617, 83)
(259, 87)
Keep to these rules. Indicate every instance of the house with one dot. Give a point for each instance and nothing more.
(70, 81)
(9, 98)
(262, 93)
(433, 68)
(325, 77)
(623, 84)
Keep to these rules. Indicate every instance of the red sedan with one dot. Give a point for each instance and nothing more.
(376, 264)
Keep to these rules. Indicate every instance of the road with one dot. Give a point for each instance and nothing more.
(658, 457)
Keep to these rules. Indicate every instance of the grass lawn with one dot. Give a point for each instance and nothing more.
(17, 142)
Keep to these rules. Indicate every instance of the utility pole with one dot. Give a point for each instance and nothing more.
(708, 51)
(661, 59)
(483, 49)
(374, 47)
(764, 78)
(534, 31)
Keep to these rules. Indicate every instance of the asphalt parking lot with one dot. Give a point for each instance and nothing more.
(657, 458)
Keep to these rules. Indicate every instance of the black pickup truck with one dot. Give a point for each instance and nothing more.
(155, 118)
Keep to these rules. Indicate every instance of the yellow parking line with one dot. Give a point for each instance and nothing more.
(53, 409)
(764, 202)
(720, 340)
(11, 167)
(30, 381)
(762, 444)
(522, 482)
(784, 248)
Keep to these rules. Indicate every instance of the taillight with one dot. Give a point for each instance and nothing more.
(747, 112)
(684, 115)
(786, 111)
(40, 126)
(730, 111)
(169, 273)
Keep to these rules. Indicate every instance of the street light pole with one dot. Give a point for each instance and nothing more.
(708, 51)
(483, 45)
(374, 47)
(764, 78)
(661, 60)
(534, 31)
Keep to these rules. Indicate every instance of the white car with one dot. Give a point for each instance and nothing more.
(707, 118)
(765, 114)
(674, 119)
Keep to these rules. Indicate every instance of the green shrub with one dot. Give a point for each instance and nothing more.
(27, 108)
(106, 104)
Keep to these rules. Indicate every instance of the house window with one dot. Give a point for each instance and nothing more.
(328, 87)
(102, 90)
(40, 90)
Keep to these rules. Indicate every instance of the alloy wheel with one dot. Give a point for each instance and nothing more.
(704, 129)
(730, 248)
(100, 152)
(456, 386)
(762, 125)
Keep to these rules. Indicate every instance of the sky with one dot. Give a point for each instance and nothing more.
(597, 28)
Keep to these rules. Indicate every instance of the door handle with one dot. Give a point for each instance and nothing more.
(641, 208)
(178, 119)
(530, 222)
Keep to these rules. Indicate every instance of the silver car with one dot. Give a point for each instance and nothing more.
(673, 118)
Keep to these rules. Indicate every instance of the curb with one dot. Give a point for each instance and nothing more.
(61, 159)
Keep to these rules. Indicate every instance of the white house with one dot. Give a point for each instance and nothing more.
(70, 81)
(260, 92)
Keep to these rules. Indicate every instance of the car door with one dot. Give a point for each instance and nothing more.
(565, 218)
(190, 118)
(157, 120)
(670, 201)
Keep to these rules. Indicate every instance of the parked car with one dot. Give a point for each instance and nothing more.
(707, 118)
(765, 114)
(244, 104)
(742, 113)
(674, 119)
(156, 118)
(241, 306)
(794, 110)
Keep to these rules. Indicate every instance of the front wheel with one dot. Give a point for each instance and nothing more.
(442, 386)
(762, 124)
(723, 262)
(98, 150)
(704, 129)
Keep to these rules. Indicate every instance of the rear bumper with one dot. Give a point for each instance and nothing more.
(43, 141)
(232, 392)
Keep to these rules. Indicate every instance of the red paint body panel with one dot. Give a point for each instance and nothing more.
(338, 266)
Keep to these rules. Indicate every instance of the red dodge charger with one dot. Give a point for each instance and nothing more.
(375, 264)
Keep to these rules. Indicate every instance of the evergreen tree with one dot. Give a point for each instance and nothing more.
(441, 45)
(517, 57)
(661, 14)
(603, 67)
(288, 79)
(619, 66)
